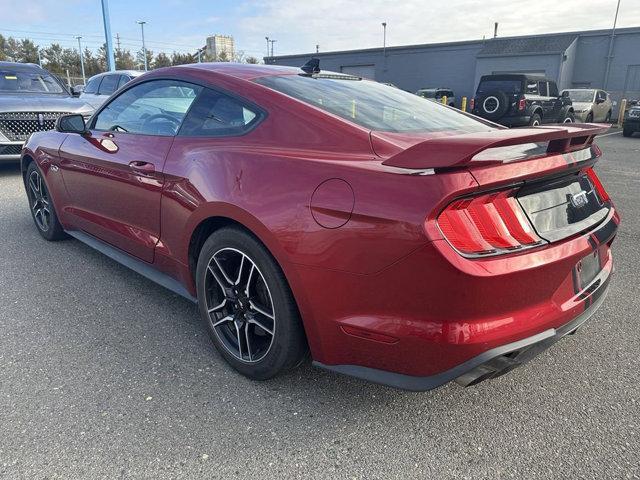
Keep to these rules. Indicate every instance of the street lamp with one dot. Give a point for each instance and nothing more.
(610, 54)
(144, 49)
(384, 38)
(272, 42)
(267, 39)
(107, 35)
(84, 79)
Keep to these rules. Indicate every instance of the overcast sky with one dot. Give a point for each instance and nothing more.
(299, 25)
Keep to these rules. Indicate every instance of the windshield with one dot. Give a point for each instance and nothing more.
(581, 95)
(506, 86)
(28, 82)
(372, 105)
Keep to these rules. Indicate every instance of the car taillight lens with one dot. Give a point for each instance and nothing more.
(522, 104)
(597, 184)
(489, 224)
(472, 104)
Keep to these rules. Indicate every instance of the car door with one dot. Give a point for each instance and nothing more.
(113, 173)
(90, 93)
(601, 107)
(545, 102)
(556, 102)
(108, 85)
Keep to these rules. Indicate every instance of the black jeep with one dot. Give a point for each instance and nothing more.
(516, 100)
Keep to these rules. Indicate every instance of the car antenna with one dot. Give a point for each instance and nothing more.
(311, 67)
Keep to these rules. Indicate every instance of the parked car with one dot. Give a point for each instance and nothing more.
(516, 100)
(398, 240)
(31, 100)
(590, 105)
(631, 121)
(436, 94)
(99, 87)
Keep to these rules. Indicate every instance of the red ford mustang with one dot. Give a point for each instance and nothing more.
(395, 239)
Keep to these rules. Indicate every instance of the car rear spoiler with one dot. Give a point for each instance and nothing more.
(459, 150)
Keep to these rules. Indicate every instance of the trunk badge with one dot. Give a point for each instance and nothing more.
(579, 199)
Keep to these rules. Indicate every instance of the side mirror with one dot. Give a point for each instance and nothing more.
(564, 94)
(73, 123)
(77, 90)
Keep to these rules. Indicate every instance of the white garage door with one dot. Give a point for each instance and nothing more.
(364, 71)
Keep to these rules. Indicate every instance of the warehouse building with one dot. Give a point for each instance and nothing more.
(573, 60)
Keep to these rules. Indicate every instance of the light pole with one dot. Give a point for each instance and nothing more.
(384, 38)
(272, 42)
(267, 39)
(144, 49)
(84, 79)
(107, 34)
(610, 54)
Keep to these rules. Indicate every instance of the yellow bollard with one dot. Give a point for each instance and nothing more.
(463, 105)
(443, 99)
(623, 107)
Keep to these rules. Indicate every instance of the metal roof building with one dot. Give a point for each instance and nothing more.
(573, 60)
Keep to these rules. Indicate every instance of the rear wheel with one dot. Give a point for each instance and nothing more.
(41, 207)
(535, 120)
(247, 306)
(608, 117)
(627, 132)
(589, 118)
(569, 118)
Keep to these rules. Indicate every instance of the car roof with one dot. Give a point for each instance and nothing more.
(246, 71)
(516, 76)
(21, 66)
(133, 73)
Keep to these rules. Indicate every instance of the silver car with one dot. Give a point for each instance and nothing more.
(101, 86)
(436, 94)
(590, 105)
(31, 100)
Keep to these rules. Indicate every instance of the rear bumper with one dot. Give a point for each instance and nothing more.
(489, 364)
(435, 316)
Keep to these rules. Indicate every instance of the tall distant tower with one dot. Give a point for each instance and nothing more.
(216, 44)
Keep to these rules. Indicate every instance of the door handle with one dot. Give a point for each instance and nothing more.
(142, 167)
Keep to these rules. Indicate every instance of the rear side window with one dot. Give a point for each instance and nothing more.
(542, 89)
(553, 90)
(215, 114)
(371, 105)
(532, 87)
(109, 84)
(123, 79)
(92, 85)
(506, 86)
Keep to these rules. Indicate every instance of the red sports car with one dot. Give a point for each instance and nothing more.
(395, 239)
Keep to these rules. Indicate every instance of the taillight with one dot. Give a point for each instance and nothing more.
(489, 224)
(597, 184)
(472, 104)
(522, 103)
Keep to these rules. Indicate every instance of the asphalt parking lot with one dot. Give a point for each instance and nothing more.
(103, 374)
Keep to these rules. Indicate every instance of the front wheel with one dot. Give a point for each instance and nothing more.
(589, 118)
(627, 132)
(41, 206)
(607, 119)
(247, 306)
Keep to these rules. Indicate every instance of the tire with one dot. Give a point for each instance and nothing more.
(493, 106)
(589, 118)
(569, 118)
(607, 119)
(41, 206)
(627, 132)
(259, 334)
(535, 120)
